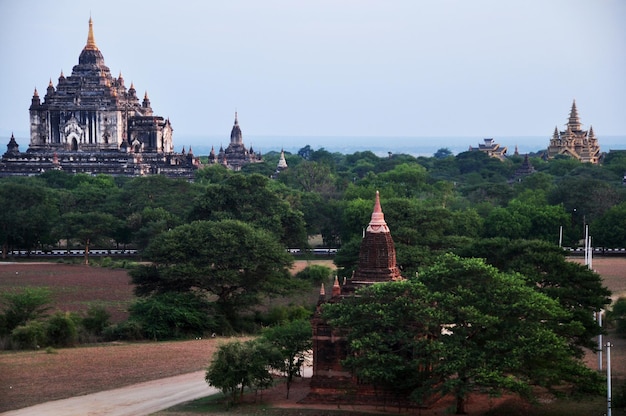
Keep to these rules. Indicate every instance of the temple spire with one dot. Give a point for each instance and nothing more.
(574, 121)
(336, 287)
(377, 223)
(91, 42)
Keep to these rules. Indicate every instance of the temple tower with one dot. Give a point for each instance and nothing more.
(91, 111)
(574, 141)
(377, 263)
(236, 154)
(377, 255)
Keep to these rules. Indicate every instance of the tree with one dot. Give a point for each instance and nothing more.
(232, 261)
(293, 341)
(546, 269)
(461, 326)
(499, 333)
(250, 199)
(443, 153)
(89, 227)
(238, 365)
(392, 330)
(610, 229)
(27, 214)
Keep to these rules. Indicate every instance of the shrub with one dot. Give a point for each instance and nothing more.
(96, 319)
(29, 336)
(28, 304)
(61, 330)
(281, 314)
(173, 315)
(238, 365)
(128, 330)
(315, 274)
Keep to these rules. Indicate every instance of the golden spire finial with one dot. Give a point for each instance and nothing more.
(91, 43)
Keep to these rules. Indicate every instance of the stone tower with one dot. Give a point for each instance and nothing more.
(574, 141)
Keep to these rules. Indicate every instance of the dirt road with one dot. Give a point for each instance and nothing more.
(135, 400)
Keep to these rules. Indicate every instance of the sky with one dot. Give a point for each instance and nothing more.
(418, 68)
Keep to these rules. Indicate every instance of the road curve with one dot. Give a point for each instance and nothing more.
(135, 400)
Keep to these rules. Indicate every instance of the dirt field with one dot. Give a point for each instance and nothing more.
(74, 288)
(31, 377)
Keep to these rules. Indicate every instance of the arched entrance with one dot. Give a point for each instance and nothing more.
(74, 144)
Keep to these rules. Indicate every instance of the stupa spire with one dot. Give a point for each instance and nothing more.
(377, 223)
(91, 42)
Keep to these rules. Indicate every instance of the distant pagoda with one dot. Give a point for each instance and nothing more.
(236, 155)
(574, 141)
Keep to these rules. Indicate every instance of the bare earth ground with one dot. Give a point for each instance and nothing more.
(31, 377)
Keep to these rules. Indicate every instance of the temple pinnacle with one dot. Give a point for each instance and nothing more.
(91, 43)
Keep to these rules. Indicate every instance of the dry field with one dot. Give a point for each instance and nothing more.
(74, 288)
(31, 377)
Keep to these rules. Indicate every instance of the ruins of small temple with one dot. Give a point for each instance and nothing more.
(490, 147)
(91, 123)
(377, 264)
(236, 155)
(574, 141)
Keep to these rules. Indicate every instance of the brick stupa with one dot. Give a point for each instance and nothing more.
(330, 382)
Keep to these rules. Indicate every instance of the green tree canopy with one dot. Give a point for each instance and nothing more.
(229, 260)
(250, 199)
(293, 341)
(27, 215)
(499, 333)
(546, 269)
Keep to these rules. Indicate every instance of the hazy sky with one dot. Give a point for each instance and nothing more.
(487, 68)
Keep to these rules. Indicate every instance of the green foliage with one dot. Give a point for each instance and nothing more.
(96, 320)
(30, 335)
(547, 270)
(238, 365)
(500, 332)
(173, 315)
(391, 330)
(250, 199)
(27, 214)
(278, 315)
(61, 330)
(229, 260)
(465, 325)
(293, 341)
(20, 307)
(609, 230)
(128, 330)
(315, 274)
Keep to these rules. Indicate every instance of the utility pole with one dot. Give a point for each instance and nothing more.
(608, 379)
